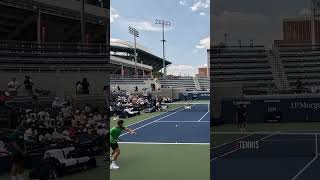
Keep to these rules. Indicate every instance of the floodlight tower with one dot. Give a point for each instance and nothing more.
(83, 22)
(313, 22)
(163, 23)
(135, 34)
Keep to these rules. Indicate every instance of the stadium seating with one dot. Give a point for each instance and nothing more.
(204, 83)
(301, 63)
(245, 66)
(178, 82)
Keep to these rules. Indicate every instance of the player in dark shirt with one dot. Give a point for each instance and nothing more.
(17, 149)
(242, 117)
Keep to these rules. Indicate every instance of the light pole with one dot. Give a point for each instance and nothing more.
(83, 23)
(38, 24)
(163, 23)
(135, 34)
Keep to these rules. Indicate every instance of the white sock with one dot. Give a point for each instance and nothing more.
(14, 178)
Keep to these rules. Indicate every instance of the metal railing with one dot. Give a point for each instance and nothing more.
(20, 47)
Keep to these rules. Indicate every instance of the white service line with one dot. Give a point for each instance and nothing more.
(304, 168)
(152, 122)
(223, 155)
(203, 116)
(156, 143)
(147, 119)
(182, 121)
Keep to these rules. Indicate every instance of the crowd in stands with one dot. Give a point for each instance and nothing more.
(128, 105)
(62, 122)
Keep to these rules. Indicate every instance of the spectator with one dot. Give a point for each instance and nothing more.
(299, 85)
(87, 109)
(4, 97)
(13, 87)
(28, 84)
(56, 104)
(79, 87)
(29, 133)
(85, 86)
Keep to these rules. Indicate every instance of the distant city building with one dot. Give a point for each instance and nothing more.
(202, 72)
(298, 32)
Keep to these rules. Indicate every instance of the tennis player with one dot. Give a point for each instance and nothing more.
(242, 117)
(114, 138)
(17, 148)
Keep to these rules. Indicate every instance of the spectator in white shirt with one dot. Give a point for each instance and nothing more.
(13, 87)
(56, 104)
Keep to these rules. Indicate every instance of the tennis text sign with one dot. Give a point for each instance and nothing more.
(248, 145)
(273, 109)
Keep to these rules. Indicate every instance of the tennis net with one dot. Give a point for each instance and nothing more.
(186, 107)
(264, 144)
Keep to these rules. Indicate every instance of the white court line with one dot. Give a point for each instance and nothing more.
(155, 143)
(304, 168)
(203, 116)
(182, 121)
(152, 122)
(147, 119)
(223, 155)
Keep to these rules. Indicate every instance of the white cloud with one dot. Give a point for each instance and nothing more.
(202, 13)
(183, 2)
(113, 15)
(204, 43)
(182, 69)
(200, 5)
(203, 65)
(147, 26)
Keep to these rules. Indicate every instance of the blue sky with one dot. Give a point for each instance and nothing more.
(257, 20)
(187, 39)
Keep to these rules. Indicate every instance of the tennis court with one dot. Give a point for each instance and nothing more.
(265, 155)
(173, 144)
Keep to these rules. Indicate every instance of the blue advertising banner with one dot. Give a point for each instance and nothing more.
(273, 109)
(195, 95)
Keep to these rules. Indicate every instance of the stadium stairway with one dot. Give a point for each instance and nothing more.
(278, 71)
(196, 82)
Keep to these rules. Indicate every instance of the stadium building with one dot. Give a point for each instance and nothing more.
(286, 73)
(148, 64)
(42, 38)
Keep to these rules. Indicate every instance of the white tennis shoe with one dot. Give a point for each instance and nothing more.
(114, 166)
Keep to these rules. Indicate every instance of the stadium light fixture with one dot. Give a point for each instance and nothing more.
(135, 34)
(164, 24)
(36, 8)
(83, 23)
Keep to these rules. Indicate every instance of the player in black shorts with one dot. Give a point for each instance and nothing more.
(115, 133)
(242, 117)
(17, 149)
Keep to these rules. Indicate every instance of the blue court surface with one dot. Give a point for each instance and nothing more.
(277, 157)
(180, 126)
